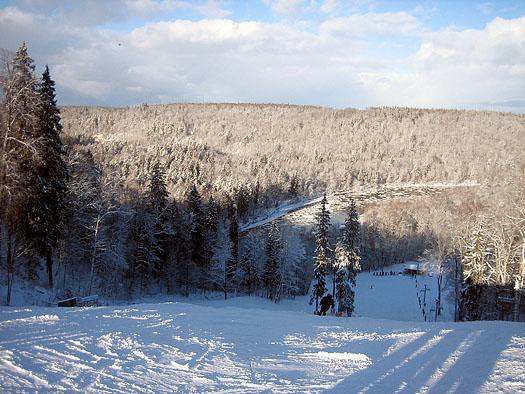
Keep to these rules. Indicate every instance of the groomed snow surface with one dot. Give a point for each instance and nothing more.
(250, 345)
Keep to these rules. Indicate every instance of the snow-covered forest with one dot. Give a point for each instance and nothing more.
(133, 202)
(232, 146)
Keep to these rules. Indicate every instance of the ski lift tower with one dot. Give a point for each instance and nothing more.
(519, 294)
(519, 286)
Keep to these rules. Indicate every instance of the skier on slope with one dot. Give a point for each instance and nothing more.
(326, 303)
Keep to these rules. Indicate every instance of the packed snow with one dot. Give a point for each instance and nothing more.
(251, 345)
(402, 297)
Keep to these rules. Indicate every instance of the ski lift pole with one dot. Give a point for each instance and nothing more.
(424, 291)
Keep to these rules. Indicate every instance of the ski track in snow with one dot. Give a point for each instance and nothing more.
(190, 347)
(303, 212)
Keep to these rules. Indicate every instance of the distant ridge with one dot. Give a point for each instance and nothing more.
(223, 146)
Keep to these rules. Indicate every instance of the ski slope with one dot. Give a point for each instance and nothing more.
(398, 297)
(303, 212)
(250, 345)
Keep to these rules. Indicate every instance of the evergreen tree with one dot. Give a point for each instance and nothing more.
(351, 234)
(183, 271)
(242, 202)
(18, 158)
(157, 201)
(157, 192)
(212, 217)
(218, 276)
(198, 241)
(233, 262)
(272, 267)
(293, 188)
(173, 231)
(211, 221)
(48, 180)
(347, 266)
(145, 248)
(347, 262)
(256, 191)
(321, 259)
(248, 272)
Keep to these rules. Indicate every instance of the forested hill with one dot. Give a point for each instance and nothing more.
(221, 146)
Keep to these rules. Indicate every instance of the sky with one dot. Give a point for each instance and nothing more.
(336, 53)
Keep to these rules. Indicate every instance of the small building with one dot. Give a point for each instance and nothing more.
(79, 301)
(412, 269)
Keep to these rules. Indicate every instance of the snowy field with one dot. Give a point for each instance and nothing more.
(249, 345)
(397, 297)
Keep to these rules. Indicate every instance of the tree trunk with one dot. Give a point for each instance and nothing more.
(333, 284)
(225, 283)
(49, 265)
(93, 256)
(187, 291)
(456, 291)
(517, 301)
(10, 268)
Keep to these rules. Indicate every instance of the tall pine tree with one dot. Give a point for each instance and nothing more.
(157, 192)
(18, 156)
(347, 266)
(212, 221)
(321, 259)
(248, 272)
(233, 262)
(49, 179)
(347, 263)
(197, 232)
(351, 233)
(157, 201)
(272, 268)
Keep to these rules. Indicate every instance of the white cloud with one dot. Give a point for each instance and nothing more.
(286, 8)
(468, 67)
(225, 60)
(501, 42)
(213, 9)
(99, 12)
(13, 16)
(191, 38)
(333, 6)
(386, 23)
(329, 6)
(153, 7)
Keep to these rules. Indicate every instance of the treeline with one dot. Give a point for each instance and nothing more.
(62, 210)
(121, 243)
(224, 146)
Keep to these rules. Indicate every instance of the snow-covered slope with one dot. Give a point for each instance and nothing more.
(401, 297)
(303, 212)
(250, 345)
